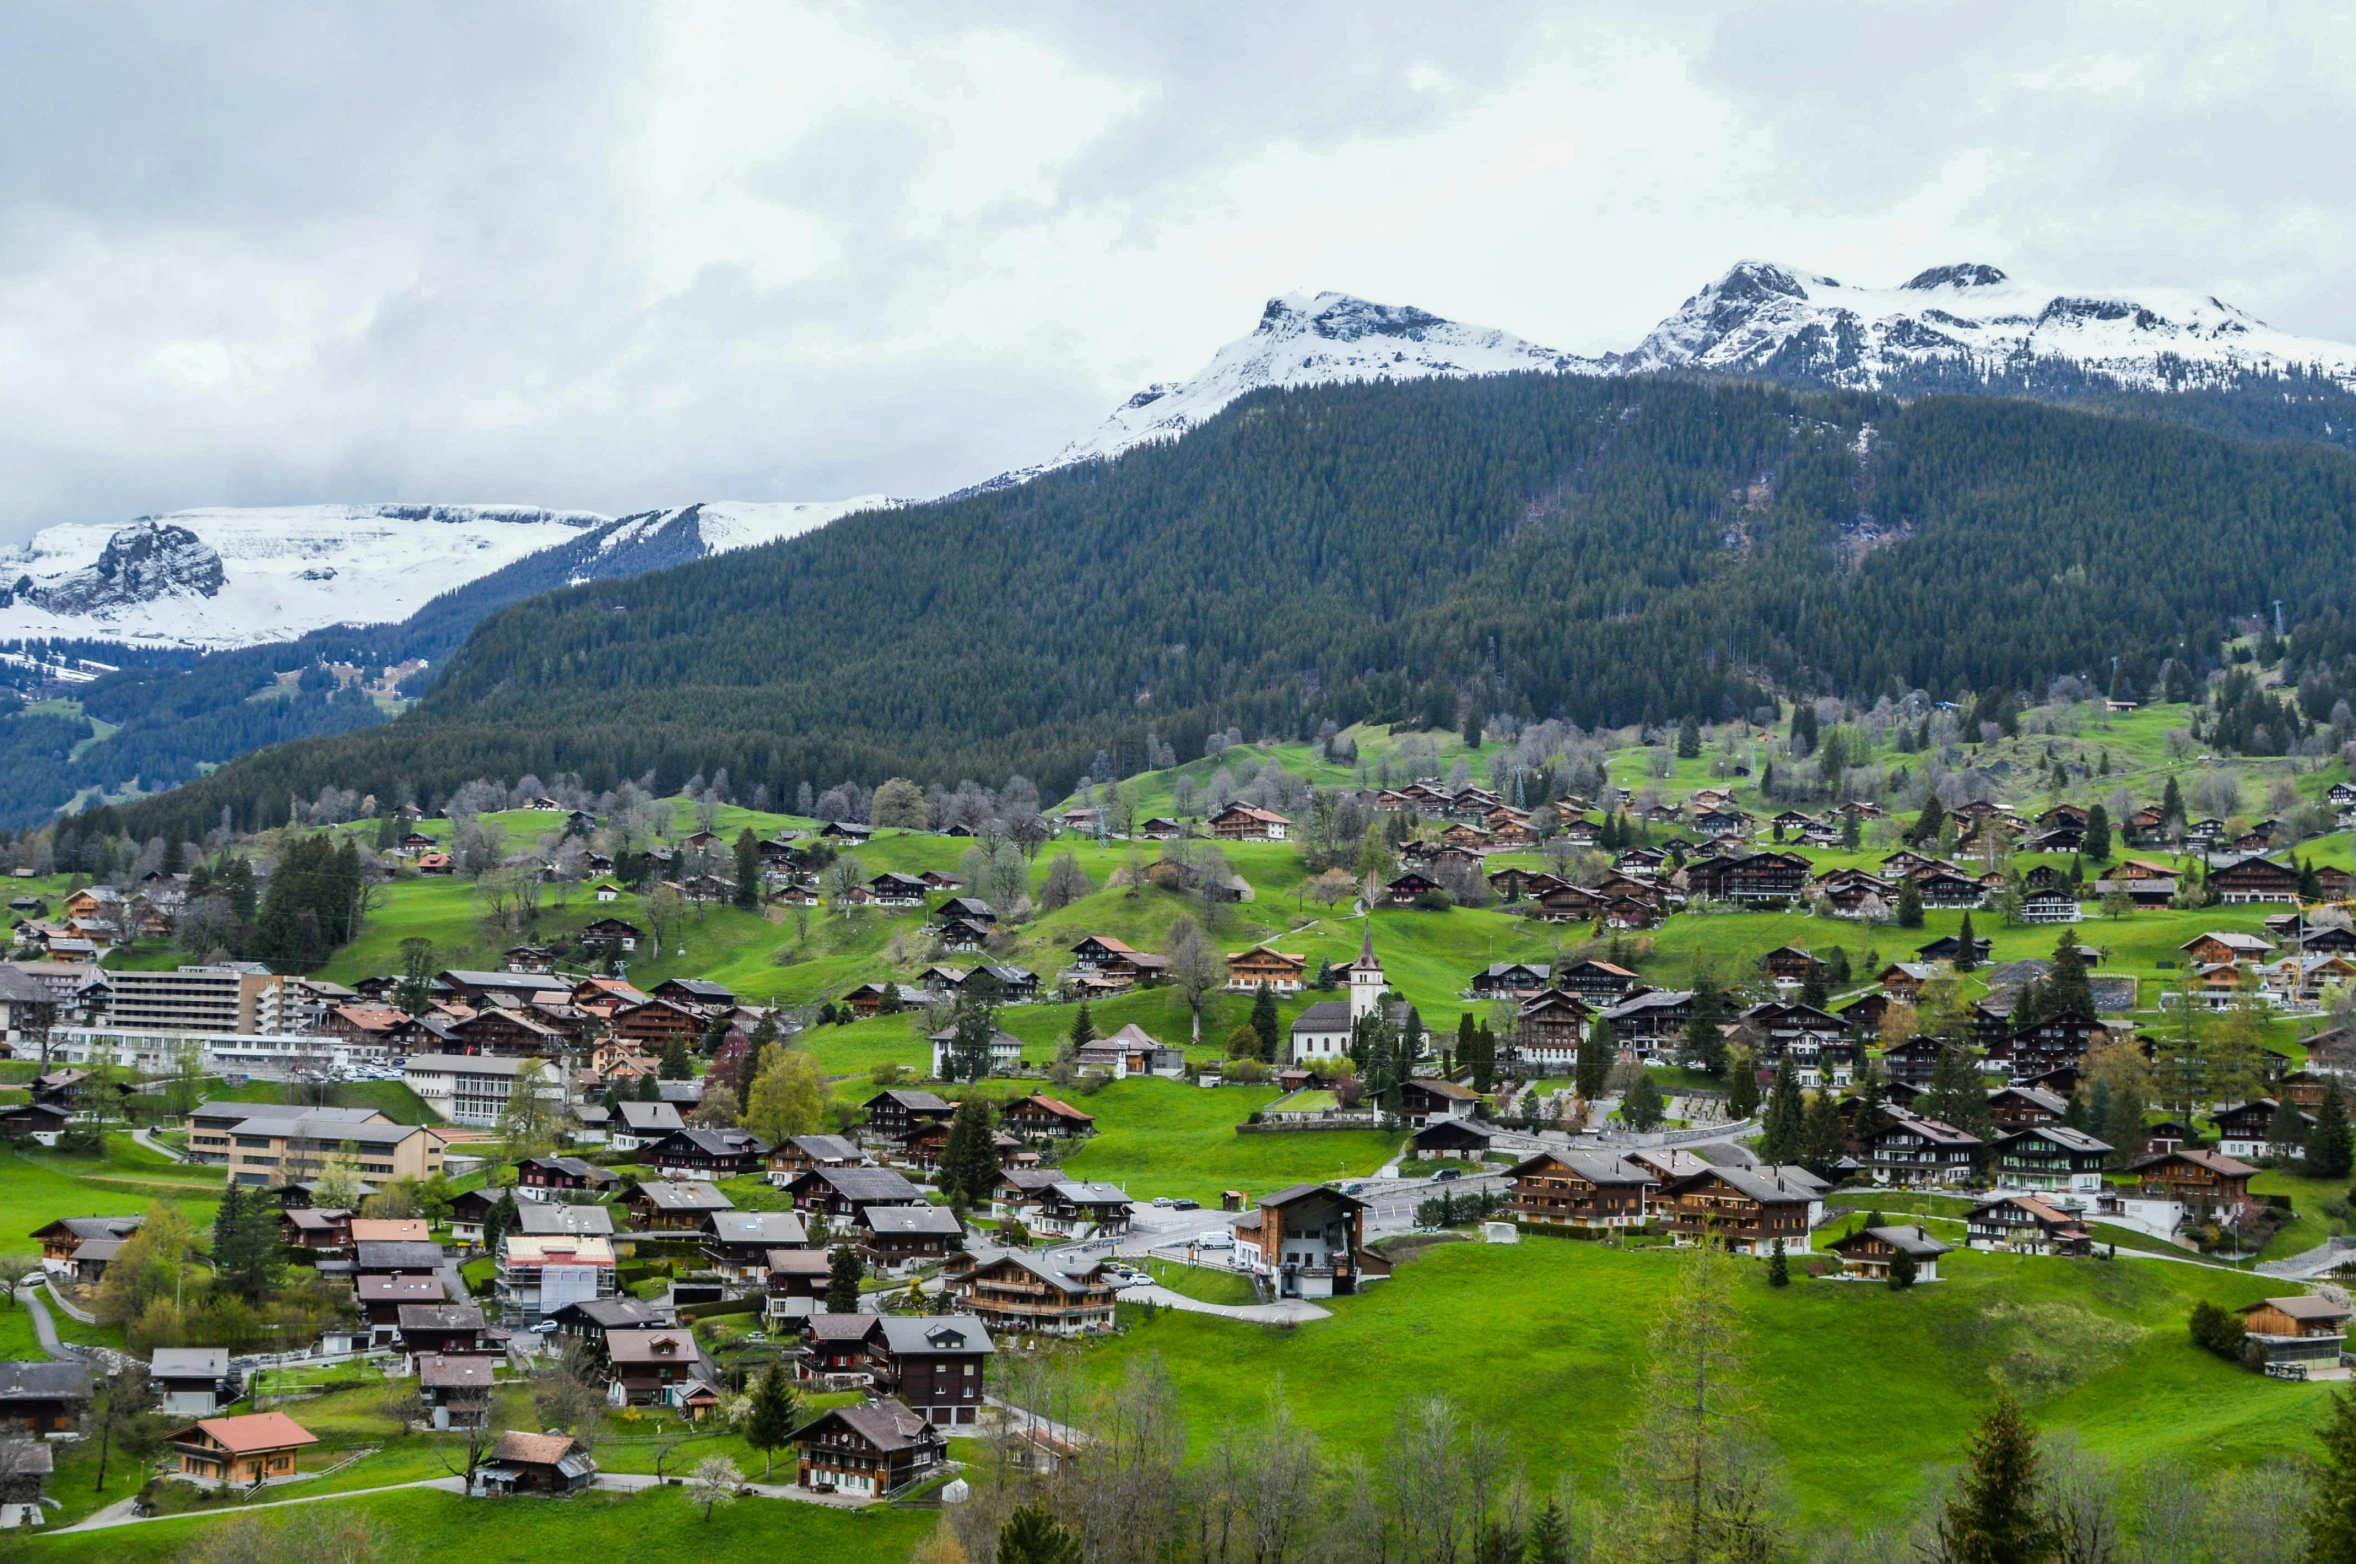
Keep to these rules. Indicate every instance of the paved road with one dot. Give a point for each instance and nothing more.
(1289, 1311)
(2313, 1263)
(146, 1137)
(45, 1328)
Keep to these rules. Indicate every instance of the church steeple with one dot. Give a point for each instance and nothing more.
(1367, 984)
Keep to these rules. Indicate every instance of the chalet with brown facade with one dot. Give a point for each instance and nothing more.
(1588, 1189)
(1746, 1209)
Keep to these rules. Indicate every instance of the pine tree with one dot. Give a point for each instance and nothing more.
(1815, 990)
(1902, 1271)
(1742, 1087)
(1484, 1064)
(1264, 1021)
(1909, 905)
(2331, 1503)
(1689, 738)
(1468, 1040)
(748, 869)
(675, 1065)
(2310, 888)
(2066, 988)
(2329, 1152)
(1031, 1536)
(1594, 1065)
(1642, 1107)
(2098, 833)
(1824, 1139)
(1083, 1030)
(1781, 1130)
(1932, 820)
(1704, 1045)
(769, 1424)
(1779, 1270)
(1996, 1515)
(844, 1271)
(2171, 805)
(499, 1221)
(1550, 1536)
(1967, 947)
(969, 1159)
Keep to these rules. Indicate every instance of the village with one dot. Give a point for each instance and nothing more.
(792, 1157)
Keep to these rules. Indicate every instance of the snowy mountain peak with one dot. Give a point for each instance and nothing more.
(1309, 339)
(1974, 322)
(145, 561)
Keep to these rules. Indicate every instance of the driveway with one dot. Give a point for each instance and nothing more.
(146, 1137)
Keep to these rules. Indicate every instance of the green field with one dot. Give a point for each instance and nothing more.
(1864, 1391)
(660, 1526)
(1157, 1137)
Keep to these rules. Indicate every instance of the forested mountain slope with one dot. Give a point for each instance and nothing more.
(1605, 549)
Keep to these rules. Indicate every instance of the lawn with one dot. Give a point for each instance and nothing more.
(660, 1527)
(1201, 1282)
(1157, 1137)
(38, 1187)
(1542, 1339)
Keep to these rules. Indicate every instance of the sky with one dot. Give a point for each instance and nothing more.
(615, 257)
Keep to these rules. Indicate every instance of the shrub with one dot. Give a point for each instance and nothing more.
(2218, 1330)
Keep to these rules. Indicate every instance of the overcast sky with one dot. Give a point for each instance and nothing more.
(596, 256)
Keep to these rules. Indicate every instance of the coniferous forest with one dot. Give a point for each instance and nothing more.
(1605, 551)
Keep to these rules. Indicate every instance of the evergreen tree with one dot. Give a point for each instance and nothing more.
(2171, 805)
(844, 1272)
(1550, 1536)
(1325, 981)
(499, 1221)
(1642, 1107)
(1967, 947)
(2331, 1502)
(2066, 988)
(2098, 833)
(1996, 1515)
(969, 1159)
(1815, 991)
(1264, 1021)
(1594, 1064)
(1031, 1535)
(1484, 1064)
(1824, 1139)
(1782, 1128)
(2074, 1114)
(675, 1064)
(1902, 1271)
(1705, 1041)
(2310, 888)
(748, 869)
(2286, 1132)
(1779, 1270)
(1468, 1040)
(650, 1089)
(1689, 738)
(1849, 833)
(2328, 1143)
(1083, 1030)
(1742, 1087)
(1909, 905)
(776, 1408)
(1955, 1096)
(249, 1264)
(1932, 820)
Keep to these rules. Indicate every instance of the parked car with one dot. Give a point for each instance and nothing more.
(1216, 1238)
(1163, 1201)
(1186, 1205)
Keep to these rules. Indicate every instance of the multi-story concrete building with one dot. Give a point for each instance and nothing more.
(474, 1088)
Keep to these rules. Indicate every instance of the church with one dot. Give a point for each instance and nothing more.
(1322, 1032)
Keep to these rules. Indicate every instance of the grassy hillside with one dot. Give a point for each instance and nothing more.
(1863, 1391)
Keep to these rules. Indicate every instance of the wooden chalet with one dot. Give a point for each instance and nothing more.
(1746, 1209)
(2204, 1183)
(2025, 1224)
(1585, 1189)
(1549, 1029)
(2051, 1156)
(842, 1193)
(1015, 1290)
(1916, 1151)
(1309, 1241)
(797, 1154)
(551, 1465)
(1283, 974)
(240, 1451)
(1042, 1116)
(2297, 1338)
(41, 1399)
(870, 1451)
(1110, 964)
(1868, 1253)
(897, 1112)
(2253, 879)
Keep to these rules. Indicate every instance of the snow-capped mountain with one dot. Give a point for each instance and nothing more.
(1309, 339)
(225, 577)
(231, 577)
(1763, 319)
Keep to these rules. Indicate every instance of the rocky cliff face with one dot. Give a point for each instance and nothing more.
(141, 563)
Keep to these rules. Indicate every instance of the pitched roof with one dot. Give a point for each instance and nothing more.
(459, 1371)
(939, 1334)
(886, 1424)
(2301, 1308)
(1596, 1167)
(534, 1449)
(686, 1195)
(912, 1221)
(769, 1229)
(540, 1218)
(255, 1431)
(44, 1382)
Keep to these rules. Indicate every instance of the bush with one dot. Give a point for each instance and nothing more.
(2218, 1330)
